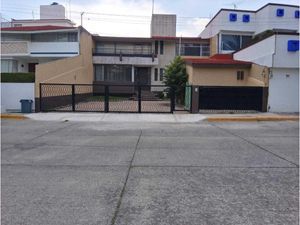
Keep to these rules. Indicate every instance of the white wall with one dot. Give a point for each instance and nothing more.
(52, 47)
(262, 20)
(260, 53)
(284, 90)
(284, 58)
(267, 19)
(221, 22)
(12, 93)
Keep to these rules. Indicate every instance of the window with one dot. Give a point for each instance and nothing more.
(161, 47)
(231, 42)
(113, 73)
(193, 49)
(54, 37)
(156, 47)
(161, 74)
(17, 25)
(155, 74)
(8, 66)
(240, 75)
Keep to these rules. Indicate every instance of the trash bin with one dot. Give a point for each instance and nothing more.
(26, 105)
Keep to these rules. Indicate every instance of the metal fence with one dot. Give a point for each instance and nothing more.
(113, 98)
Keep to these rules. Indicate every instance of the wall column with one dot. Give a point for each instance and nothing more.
(195, 99)
(132, 73)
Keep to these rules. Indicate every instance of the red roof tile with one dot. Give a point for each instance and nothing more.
(35, 28)
(218, 59)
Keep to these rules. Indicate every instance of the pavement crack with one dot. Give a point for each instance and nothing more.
(114, 218)
(256, 145)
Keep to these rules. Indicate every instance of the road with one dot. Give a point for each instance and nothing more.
(115, 173)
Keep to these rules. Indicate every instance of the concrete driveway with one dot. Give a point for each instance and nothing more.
(149, 173)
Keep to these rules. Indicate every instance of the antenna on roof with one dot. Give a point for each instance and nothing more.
(234, 4)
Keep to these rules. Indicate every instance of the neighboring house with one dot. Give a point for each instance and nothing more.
(225, 83)
(267, 37)
(280, 52)
(27, 43)
(132, 60)
(230, 30)
(53, 15)
(22, 48)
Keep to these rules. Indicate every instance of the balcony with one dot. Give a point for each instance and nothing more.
(140, 55)
(14, 48)
(39, 49)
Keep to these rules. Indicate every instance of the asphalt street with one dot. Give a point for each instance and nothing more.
(116, 173)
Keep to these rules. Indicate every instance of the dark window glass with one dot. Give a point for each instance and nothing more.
(156, 47)
(161, 74)
(161, 47)
(114, 73)
(230, 42)
(246, 40)
(54, 37)
(240, 75)
(156, 74)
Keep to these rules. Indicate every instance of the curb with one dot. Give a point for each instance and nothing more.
(252, 119)
(13, 116)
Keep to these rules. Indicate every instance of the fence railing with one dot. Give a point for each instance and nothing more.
(145, 51)
(113, 98)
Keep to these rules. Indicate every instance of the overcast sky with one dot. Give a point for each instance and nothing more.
(132, 17)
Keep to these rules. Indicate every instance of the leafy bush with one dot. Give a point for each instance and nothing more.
(17, 77)
(176, 76)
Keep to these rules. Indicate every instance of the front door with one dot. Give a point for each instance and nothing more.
(31, 67)
(142, 76)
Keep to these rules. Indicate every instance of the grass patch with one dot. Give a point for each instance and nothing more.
(17, 77)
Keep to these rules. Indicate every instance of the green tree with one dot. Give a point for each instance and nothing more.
(175, 76)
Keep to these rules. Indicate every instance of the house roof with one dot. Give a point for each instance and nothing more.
(217, 60)
(145, 39)
(36, 28)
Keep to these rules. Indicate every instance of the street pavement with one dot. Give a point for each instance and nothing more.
(117, 173)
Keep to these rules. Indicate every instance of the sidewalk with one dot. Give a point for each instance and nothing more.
(153, 117)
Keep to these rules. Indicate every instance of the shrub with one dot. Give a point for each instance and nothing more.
(17, 77)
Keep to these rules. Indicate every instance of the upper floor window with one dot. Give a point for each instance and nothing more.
(231, 42)
(156, 47)
(161, 47)
(54, 37)
(192, 49)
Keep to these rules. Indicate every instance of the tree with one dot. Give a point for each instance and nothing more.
(175, 76)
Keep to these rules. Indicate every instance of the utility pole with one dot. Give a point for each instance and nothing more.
(81, 14)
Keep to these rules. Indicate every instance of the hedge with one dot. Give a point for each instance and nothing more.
(17, 77)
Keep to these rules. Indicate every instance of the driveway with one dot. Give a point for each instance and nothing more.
(114, 173)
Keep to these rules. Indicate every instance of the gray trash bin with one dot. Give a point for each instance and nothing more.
(26, 105)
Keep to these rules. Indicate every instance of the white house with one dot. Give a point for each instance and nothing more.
(231, 30)
(280, 52)
(24, 47)
(269, 37)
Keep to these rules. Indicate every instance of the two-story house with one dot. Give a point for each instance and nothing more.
(269, 39)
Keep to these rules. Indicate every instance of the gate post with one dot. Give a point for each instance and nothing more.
(73, 97)
(40, 100)
(106, 99)
(195, 99)
(172, 92)
(139, 99)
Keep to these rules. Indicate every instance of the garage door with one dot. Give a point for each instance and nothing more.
(231, 98)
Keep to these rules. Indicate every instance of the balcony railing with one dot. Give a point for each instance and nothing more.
(115, 51)
(202, 50)
(14, 48)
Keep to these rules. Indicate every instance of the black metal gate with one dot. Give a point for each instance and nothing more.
(231, 98)
(111, 98)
